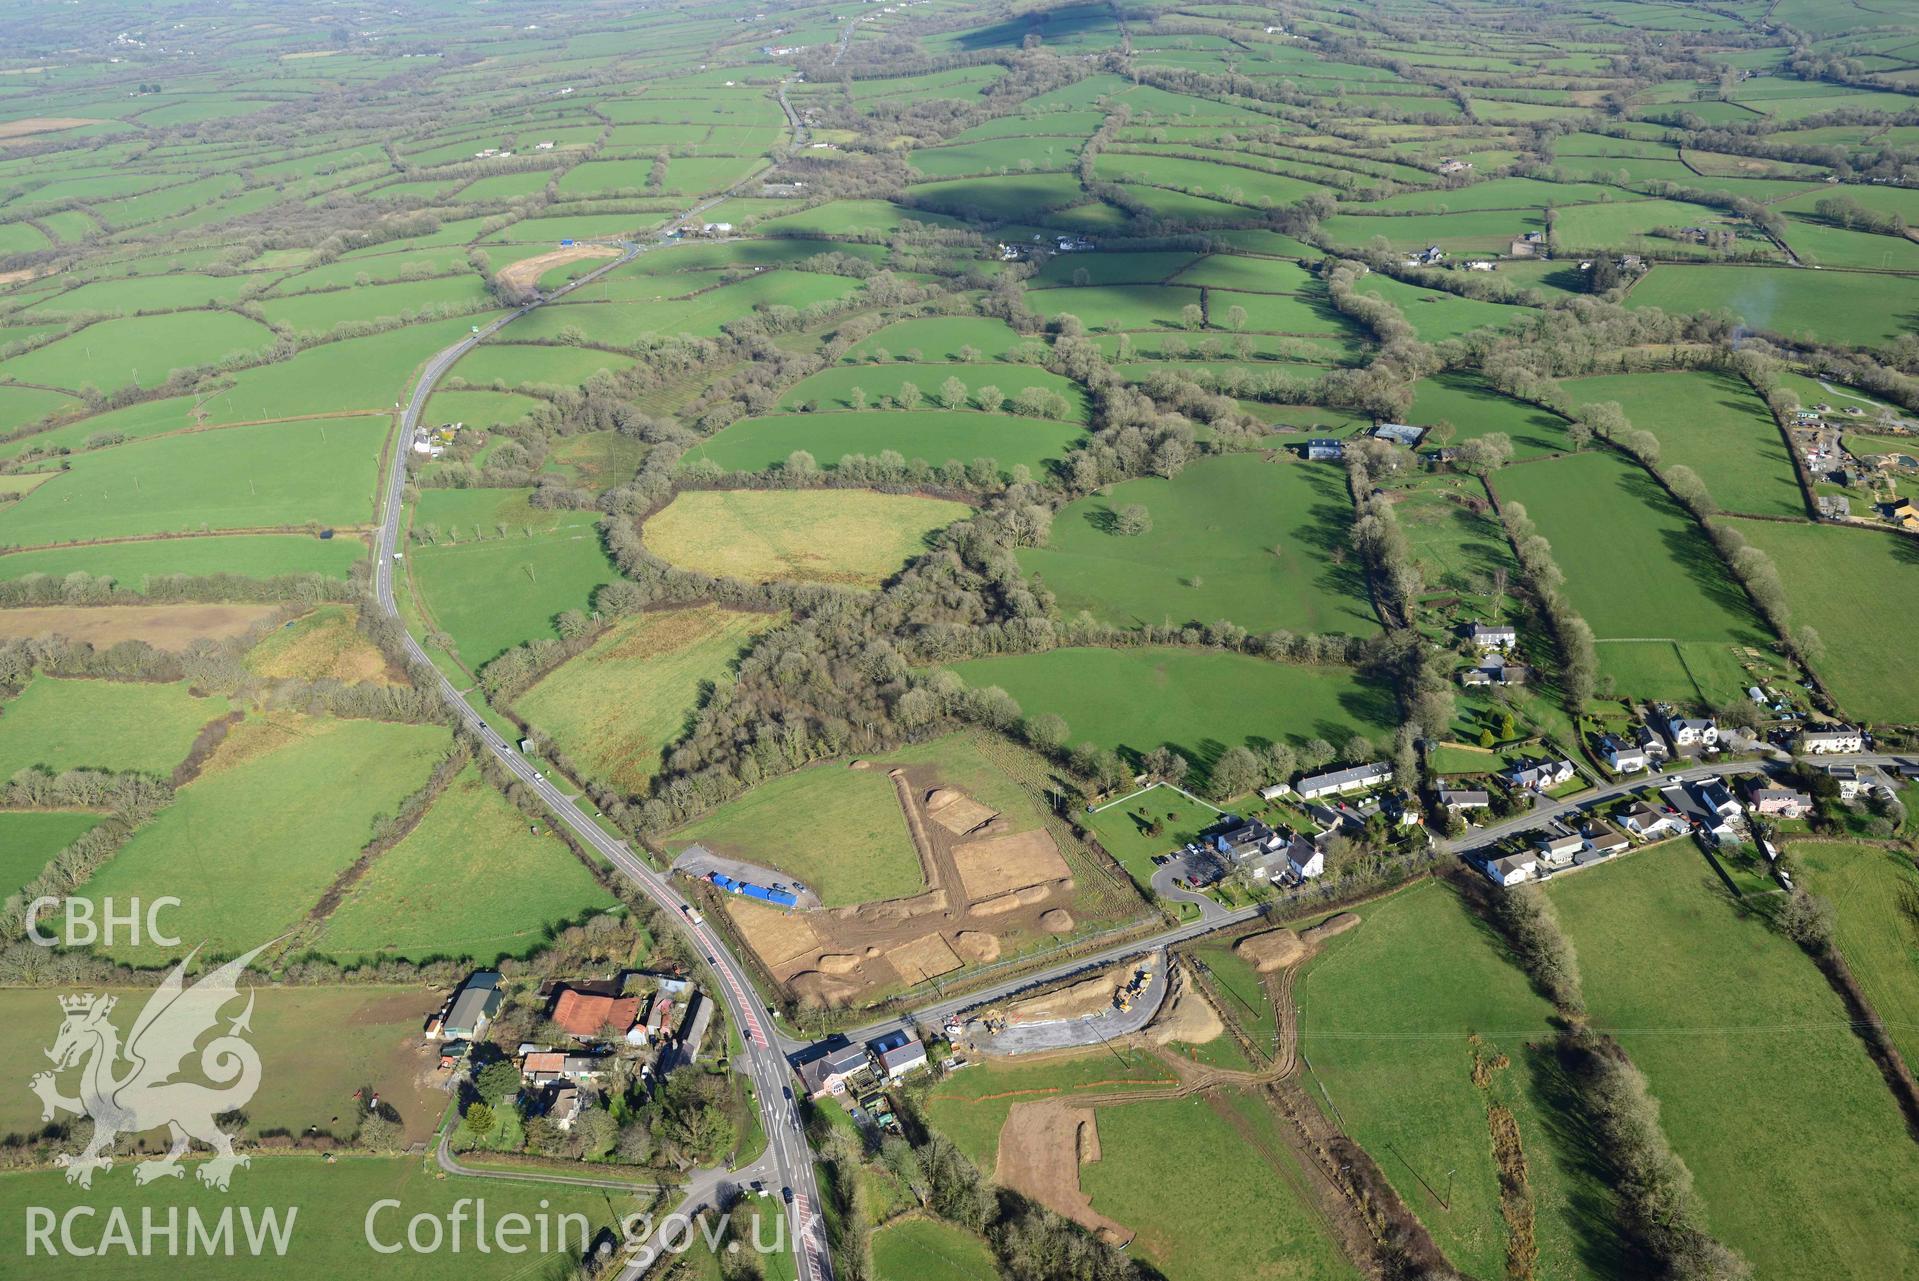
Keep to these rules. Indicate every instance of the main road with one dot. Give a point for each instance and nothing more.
(788, 1161)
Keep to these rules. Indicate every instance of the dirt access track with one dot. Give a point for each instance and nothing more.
(526, 273)
(990, 889)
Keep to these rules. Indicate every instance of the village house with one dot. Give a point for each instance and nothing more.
(563, 1108)
(539, 1067)
(1717, 797)
(597, 1016)
(1495, 668)
(1244, 840)
(1540, 775)
(897, 1054)
(1768, 801)
(1559, 851)
(1623, 758)
(1465, 799)
(693, 1024)
(1513, 868)
(1652, 824)
(1345, 781)
(1847, 776)
(1688, 731)
(1604, 840)
(1834, 738)
(829, 1073)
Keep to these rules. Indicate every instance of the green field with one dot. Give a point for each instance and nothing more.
(1839, 581)
(287, 474)
(250, 846)
(935, 436)
(1474, 409)
(1848, 308)
(1125, 831)
(930, 1250)
(1253, 1221)
(1713, 423)
(29, 838)
(1697, 993)
(1875, 893)
(838, 831)
(832, 388)
(1677, 605)
(1259, 543)
(1201, 702)
(248, 556)
(846, 537)
(61, 724)
(512, 572)
(138, 351)
(617, 707)
(515, 886)
(1394, 1006)
(938, 338)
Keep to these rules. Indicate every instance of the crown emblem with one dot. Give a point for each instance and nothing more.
(86, 1001)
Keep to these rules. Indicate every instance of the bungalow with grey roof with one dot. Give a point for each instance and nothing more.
(1341, 782)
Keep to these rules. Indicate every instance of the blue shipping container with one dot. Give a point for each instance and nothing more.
(751, 890)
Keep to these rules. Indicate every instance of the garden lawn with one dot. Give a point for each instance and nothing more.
(242, 555)
(1254, 1221)
(839, 831)
(1840, 582)
(1713, 423)
(515, 887)
(617, 707)
(250, 846)
(1638, 569)
(1199, 701)
(935, 436)
(280, 475)
(1126, 830)
(1805, 1167)
(30, 838)
(1394, 1006)
(844, 536)
(1264, 544)
(61, 724)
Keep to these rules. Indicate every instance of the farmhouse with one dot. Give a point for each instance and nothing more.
(1324, 449)
(1837, 738)
(1345, 781)
(473, 1008)
(1450, 165)
(592, 1016)
(1487, 637)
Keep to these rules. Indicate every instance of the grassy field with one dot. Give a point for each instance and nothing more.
(373, 1038)
(328, 1197)
(514, 886)
(930, 1250)
(848, 537)
(837, 830)
(1838, 581)
(1698, 993)
(1199, 701)
(138, 351)
(1254, 1220)
(239, 478)
(617, 707)
(832, 388)
(1475, 409)
(251, 845)
(1394, 1007)
(970, 1107)
(936, 436)
(1713, 423)
(28, 839)
(324, 644)
(1876, 894)
(939, 338)
(514, 570)
(1601, 512)
(1235, 537)
(248, 556)
(62, 724)
(1125, 831)
(1849, 308)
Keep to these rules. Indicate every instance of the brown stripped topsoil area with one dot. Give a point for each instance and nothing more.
(526, 272)
(1041, 1147)
(991, 890)
(13, 130)
(170, 627)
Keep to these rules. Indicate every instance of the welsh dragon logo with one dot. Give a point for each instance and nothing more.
(131, 1088)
